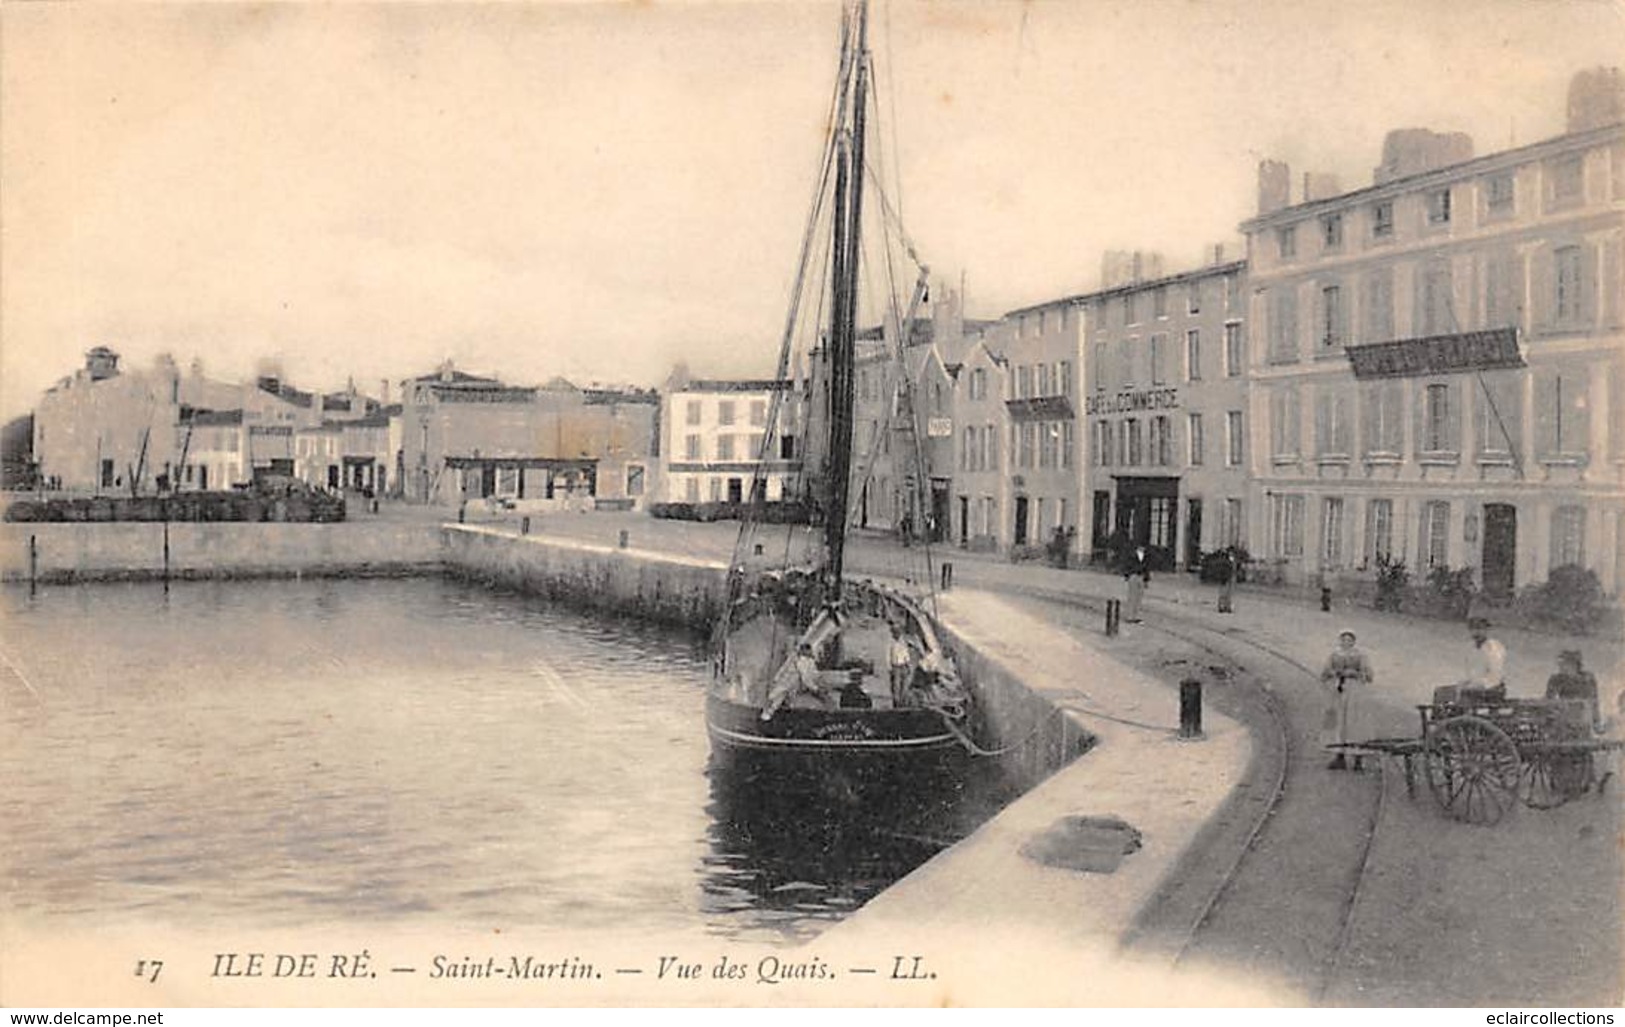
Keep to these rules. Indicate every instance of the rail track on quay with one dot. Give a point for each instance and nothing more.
(1273, 883)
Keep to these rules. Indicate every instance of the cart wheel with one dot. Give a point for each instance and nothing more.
(1541, 785)
(1473, 769)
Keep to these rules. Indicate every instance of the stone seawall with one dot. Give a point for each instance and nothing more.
(63, 553)
(689, 593)
(637, 583)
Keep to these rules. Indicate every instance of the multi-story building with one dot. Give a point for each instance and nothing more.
(980, 485)
(1439, 358)
(715, 431)
(1041, 347)
(1165, 410)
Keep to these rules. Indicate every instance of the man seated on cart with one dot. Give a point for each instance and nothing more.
(1485, 665)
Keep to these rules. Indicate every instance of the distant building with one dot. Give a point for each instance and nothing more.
(1164, 405)
(720, 435)
(1439, 361)
(980, 486)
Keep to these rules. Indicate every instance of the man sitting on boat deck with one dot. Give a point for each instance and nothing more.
(800, 677)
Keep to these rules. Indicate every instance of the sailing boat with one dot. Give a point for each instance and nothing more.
(812, 670)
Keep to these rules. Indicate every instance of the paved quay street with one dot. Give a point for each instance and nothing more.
(1352, 892)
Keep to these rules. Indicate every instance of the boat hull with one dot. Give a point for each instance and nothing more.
(861, 755)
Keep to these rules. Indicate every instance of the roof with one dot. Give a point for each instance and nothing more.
(210, 418)
(455, 377)
(607, 397)
(376, 419)
(1207, 271)
(737, 385)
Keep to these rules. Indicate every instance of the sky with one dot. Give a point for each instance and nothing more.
(597, 190)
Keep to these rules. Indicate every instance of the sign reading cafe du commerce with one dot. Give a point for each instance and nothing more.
(1437, 354)
(1132, 400)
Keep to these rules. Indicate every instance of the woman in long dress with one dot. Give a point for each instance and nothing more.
(1346, 674)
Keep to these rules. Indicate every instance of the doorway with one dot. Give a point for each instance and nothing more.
(1147, 509)
(1193, 533)
(1021, 521)
(964, 520)
(1500, 554)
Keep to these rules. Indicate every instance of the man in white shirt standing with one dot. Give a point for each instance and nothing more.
(1487, 659)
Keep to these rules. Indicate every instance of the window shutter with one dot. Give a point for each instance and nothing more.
(1453, 394)
(1545, 290)
(1613, 279)
(1590, 257)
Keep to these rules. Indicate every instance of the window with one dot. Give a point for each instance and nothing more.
(691, 447)
(1286, 525)
(715, 489)
(1503, 289)
(1232, 350)
(634, 479)
(725, 447)
(1284, 424)
(1567, 282)
(1232, 292)
(1434, 310)
(1569, 536)
(1286, 241)
(1382, 219)
(1193, 297)
(1562, 428)
(1125, 362)
(1159, 301)
(990, 447)
(1041, 385)
(691, 489)
(978, 383)
(1379, 530)
(1567, 181)
(758, 413)
(1049, 438)
(966, 448)
(1131, 314)
(725, 412)
(1437, 436)
(1193, 355)
(1331, 233)
(1100, 367)
(1160, 448)
(1193, 423)
(1384, 429)
(1499, 195)
(1159, 348)
(1068, 443)
(1233, 442)
(1438, 207)
(1028, 440)
(1284, 325)
(1331, 317)
(1332, 424)
(693, 416)
(1024, 381)
(1435, 538)
(1377, 306)
(787, 447)
(1233, 525)
(1499, 412)
(1064, 373)
(1106, 444)
(1132, 440)
(1331, 533)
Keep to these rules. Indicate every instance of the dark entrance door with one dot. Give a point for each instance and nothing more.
(1021, 520)
(939, 511)
(488, 481)
(964, 520)
(736, 490)
(1193, 533)
(1100, 532)
(1500, 557)
(1146, 509)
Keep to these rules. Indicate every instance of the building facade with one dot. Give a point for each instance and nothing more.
(718, 434)
(980, 425)
(1165, 414)
(1439, 364)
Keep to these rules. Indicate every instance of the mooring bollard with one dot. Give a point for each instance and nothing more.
(33, 563)
(1325, 599)
(947, 576)
(1114, 616)
(524, 525)
(626, 537)
(1190, 708)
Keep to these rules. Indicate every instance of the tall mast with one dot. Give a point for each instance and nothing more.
(848, 244)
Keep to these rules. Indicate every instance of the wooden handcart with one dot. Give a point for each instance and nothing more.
(1483, 753)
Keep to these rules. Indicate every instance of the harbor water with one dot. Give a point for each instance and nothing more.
(405, 751)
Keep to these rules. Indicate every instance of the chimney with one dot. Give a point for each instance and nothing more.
(1218, 253)
(1596, 99)
(1411, 151)
(1274, 186)
(101, 363)
(383, 392)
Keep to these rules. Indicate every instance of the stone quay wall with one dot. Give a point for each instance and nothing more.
(135, 551)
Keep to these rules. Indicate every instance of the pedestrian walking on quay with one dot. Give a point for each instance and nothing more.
(1227, 582)
(1346, 674)
(1136, 576)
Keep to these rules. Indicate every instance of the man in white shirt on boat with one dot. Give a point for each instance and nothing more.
(799, 675)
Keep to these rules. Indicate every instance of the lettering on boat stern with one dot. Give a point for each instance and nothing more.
(1093, 844)
(844, 731)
